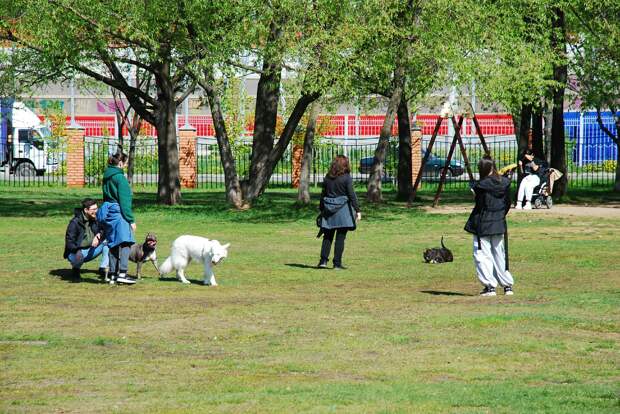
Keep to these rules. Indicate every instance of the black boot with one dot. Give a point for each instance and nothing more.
(75, 274)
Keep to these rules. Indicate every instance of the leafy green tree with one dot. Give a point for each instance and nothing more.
(596, 62)
(411, 48)
(113, 42)
(515, 67)
(398, 56)
(277, 37)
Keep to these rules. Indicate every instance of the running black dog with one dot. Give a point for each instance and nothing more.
(438, 254)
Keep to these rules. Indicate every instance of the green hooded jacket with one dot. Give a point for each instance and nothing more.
(116, 189)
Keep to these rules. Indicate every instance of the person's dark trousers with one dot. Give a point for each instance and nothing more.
(119, 258)
(326, 247)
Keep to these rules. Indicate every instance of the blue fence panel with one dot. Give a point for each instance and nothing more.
(590, 143)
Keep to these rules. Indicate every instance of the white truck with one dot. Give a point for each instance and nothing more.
(24, 141)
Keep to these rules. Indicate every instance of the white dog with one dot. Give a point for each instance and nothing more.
(188, 248)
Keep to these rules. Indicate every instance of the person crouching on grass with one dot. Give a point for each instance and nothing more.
(117, 217)
(487, 222)
(84, 239)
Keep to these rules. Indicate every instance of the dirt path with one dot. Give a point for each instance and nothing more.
(564, 210)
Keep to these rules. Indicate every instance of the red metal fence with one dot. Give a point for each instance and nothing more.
(337, 126)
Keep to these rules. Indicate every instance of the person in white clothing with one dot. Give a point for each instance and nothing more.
(487, 223)
(534, 170)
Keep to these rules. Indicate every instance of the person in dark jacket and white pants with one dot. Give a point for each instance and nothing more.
(487, 223)
(340, 210)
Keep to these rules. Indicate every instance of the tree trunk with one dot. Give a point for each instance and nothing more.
(373, 194)
(524, 128)
(516, 123)
(537, 133)
(234, 193)
(615, 138)
(303, 195)
(558, 151)
(119, 130)
(266, 116)
(264, 154)
(522, 139)
(132, 154)
(405, 186)
(548, 119)
(169, 184)
(258, 185)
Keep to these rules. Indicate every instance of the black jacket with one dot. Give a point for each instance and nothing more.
(339, 186)
(542, 170)
(488, 218)
(76, 231)
(338, 201)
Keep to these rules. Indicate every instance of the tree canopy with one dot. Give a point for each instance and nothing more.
(157, 52)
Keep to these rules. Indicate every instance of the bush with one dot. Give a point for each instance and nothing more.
(605, 166)
(609, 166)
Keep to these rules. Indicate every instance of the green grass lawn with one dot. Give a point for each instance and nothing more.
(389, 335)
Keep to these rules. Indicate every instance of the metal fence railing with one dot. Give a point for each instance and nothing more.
(361, 157)
(98, 149)
(33, 163)
(210, 173)
(48, 166)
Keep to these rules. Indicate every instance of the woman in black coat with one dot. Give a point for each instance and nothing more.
(339, 210)
(487, 223)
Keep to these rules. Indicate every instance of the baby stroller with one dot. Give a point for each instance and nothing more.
(542, 195)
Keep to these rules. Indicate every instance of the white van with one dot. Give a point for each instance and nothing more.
(24, 141)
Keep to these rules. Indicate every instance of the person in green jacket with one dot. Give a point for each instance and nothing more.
(118, 219)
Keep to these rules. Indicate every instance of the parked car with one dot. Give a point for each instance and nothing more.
(433, 167)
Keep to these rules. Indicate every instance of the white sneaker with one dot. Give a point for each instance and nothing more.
(528, 206)
(124, 279)
(519, 206)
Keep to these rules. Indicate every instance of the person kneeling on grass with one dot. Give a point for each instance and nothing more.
(84, 239)
(487, 223)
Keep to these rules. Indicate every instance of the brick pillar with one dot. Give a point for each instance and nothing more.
(75, 156)
(416, 152)
(298, 152)
(187, 157)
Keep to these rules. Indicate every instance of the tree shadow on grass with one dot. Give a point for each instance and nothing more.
(445, 293)
(66, 275)
(275, 205)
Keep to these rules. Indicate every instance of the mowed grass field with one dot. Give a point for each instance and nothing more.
(389, 335)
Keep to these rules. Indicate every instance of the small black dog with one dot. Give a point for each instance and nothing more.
(438, 254)
(145, 252)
